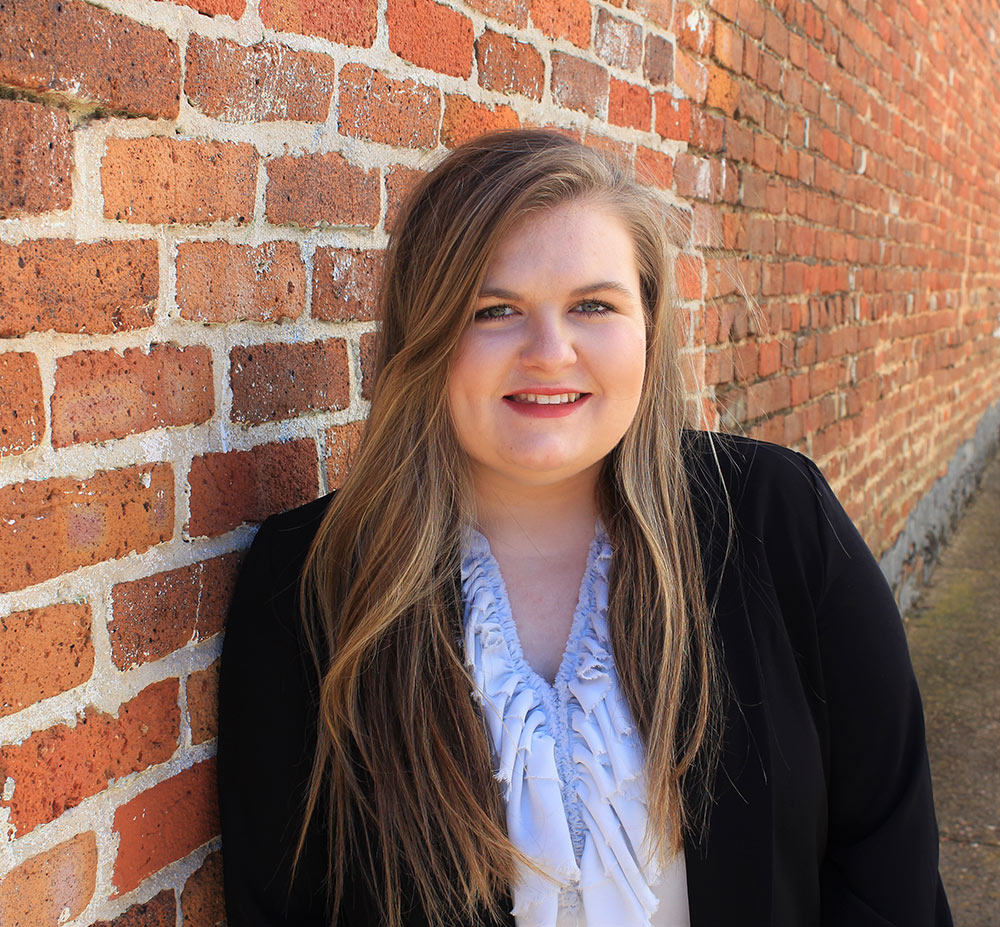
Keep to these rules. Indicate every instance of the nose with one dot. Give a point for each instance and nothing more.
(548, 344)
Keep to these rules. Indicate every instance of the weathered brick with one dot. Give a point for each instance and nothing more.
(345, 284)
(430, 35)
(165, 823)
(257, 83)
(723, 92)
(52, 887)
(399, 182)
(156, 615)
(465, 119)
(101, 395)
(98, 287)
(202, 899)
(36, 159)
(22, 407)
(687, 276)
(43, 651)
(514, 12)
(658, 12)
(202, 701)
(221, 282)
(90, 55)
(563, 19)
(693, 28)
(56, 525)
(159, 911)
(728, 49)
(316, 190)
(658, 61)
(509, 66)
(367, 351)
(276, 381)
(654, 168)
(629, 105)
(163, 180)
(673, 117)
(691, 77)
(57, 768)
(402, 113)
(579, 84)
(341, 443)
(233, 487)
(349, 23)
(618, 40)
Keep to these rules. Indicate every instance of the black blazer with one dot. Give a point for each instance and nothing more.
(823, 812)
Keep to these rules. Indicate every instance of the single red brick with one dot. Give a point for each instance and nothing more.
(687, 276)
(654, 168)
(563, 19)
(159, 911)
(728, 47)
(706, 225)
(202, 701)
(368, 356)
(673, 117)
(99, 287)
(101, 395)
(658, 62)
(691, 77)
(230, 488)
(22, 407)
(750, 17)
(57, 768)
(36, 159)
(693, 28)
(316, 190)
(221, 282)
(776, 34)
(353, 23)
(658, 12)
(43, 651)
(465, 119)
(56, 525)
(402, 113)
(430, 35)
(156, 615)
(399, 183)
(276, 381)
(202, 898)
(629, 105)
(165, 823)
(509, 66)
(52, 887)
(723, 92)
(618, 40)
(259, 83)
(345, 284)
(693, 176)
(162, 180)
(579, 84)
(341, 443)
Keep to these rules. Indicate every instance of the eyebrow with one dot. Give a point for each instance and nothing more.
(602, 286)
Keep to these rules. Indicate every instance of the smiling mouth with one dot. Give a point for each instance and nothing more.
(543, 400)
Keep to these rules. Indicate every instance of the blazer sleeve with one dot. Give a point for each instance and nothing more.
(267, 717)
(881, 863)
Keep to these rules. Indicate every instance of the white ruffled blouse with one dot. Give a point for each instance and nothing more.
(569, 761)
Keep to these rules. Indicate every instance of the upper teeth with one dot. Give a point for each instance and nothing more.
(546, 400)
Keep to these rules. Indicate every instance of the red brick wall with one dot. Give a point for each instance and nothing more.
(193, 201)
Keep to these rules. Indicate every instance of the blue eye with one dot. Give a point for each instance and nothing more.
(594, 307)
(490, 313)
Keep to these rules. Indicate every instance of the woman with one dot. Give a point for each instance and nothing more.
(548, 658)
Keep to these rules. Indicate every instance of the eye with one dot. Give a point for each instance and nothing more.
(593, 307)
(491, 313)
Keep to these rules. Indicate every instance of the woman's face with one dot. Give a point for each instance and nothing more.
(548, 374)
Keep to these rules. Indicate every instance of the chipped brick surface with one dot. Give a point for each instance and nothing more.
(403, 113)
(564, 19)
(36, 159)
(202, 899)
(22, 409)
(431, 35)
(352, 23)
(341, 443)
(52, 887)
(579, 84)
(345, 284)
(319, 190)
(509, 66)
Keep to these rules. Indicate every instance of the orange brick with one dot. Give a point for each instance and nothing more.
(578, 84)
(693, 28)
(465, 119)
(352, 23)
(202, 898)
(629, 105)
(221, 282)
(769, 359)
(56, 525)
(318, 190)
(728, 50)
(22, 408)
(687, 276)
(90, 55)
(399, 182)
(52, 887)
(259, 83)
(156, 615)
(402, 113)
(230, 488)
(165, 823)
(44, 651)
(654, 168)
(57, 768)
(159, 911)
(277, 381)
(691, 76)
(430, 35)
(723, 92)
(658, 61)
(202, 702)
(618, 41)
(101, 395)
(563, 19)
(673, 117)
(509, 66)
(99, 287)
(36, 159)
(341, 443)
(165, 180)
(345, 284)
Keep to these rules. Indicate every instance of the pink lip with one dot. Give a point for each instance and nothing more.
(535, 410)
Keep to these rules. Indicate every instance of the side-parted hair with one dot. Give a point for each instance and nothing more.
(403, 771)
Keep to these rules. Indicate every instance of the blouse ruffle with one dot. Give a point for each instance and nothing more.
(567, 755)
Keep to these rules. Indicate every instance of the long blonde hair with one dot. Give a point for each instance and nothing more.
(402, 769)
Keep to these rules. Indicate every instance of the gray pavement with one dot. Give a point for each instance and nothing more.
(954, 636)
